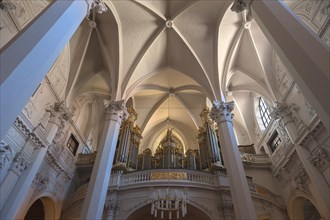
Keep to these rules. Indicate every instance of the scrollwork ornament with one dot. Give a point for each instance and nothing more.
(40, 182)
(222, 111)
(280, 111)
(282, 131)
(319, 159)
(5, 153)
(301, 180)
(205, 115)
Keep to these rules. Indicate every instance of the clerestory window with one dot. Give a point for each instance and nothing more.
(264, 112)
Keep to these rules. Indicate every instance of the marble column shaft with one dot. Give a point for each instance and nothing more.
(241, 196)
(115, 112)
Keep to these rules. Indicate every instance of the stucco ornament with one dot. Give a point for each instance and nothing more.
(115, 110)
(5, 153)
(98, 5)
(239, 6)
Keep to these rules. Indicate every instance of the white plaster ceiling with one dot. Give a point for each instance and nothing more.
(170, 72)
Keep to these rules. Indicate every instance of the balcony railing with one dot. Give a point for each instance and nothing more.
(159, 175)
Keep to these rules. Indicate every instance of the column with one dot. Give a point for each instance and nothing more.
(241, 196)
(25, 62)
(288, 117)
(302, 52)
(93, 206)
(27, 169)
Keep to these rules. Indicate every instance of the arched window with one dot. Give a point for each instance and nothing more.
(264, 112)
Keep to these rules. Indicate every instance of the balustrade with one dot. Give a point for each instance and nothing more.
(172, 175)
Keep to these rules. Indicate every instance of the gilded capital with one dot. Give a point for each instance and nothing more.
(205, 115)
(132, 114)
(222, 111)
(115, 110)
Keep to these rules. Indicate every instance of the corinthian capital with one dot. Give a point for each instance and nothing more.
(115, 110)
(98, 5)
(239, 6)
(59, 110)
(222, 111)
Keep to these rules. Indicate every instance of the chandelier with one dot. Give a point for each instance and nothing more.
(169, 204)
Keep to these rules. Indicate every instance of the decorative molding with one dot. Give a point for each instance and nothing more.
(53, 162)
(29, 135)
(222, 111)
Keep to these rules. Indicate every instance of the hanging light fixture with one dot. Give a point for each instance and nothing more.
(169, 204)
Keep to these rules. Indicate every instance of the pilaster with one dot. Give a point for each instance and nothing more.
(288, 116)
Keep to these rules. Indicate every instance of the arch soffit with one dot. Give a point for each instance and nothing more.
(51, 208)
(294, 197)
(146, 202)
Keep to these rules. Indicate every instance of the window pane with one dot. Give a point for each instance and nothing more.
(264, 113)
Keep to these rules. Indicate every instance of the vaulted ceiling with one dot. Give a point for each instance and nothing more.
(171, 58)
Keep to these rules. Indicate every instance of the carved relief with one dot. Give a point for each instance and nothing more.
(111, 207)
(308, 8)
(57, 81)
(40, 182)
(29, 109)
(6, 153)
(283, 80)
(322, 14)
(7, 28)
(320, 159)
(21, 14)
(300, 181)
(20, 163)
(168, 175)
(310, 111)
(37, 6)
